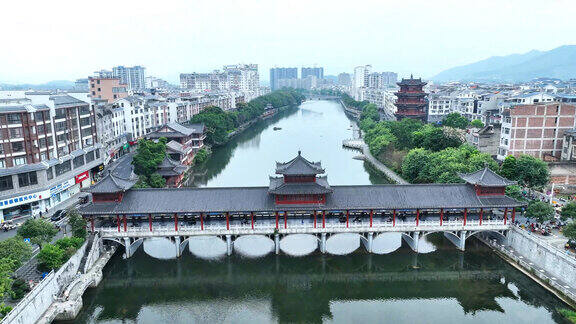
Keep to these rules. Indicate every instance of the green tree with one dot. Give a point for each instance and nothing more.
(201, 156)
(455, 120)
(148, 156)
(16, 249)
(515, 192)
(77, 223)
(413, 164)
(568, 211)
(509, 168)
(370, 111)
(142, 182)
(403, 131)
(540, 211)
(477, 123)
(51, 257)
(570, 231)
(39, 231)
(7, 266)
(156, 181)
(434, 138)
(532, 172)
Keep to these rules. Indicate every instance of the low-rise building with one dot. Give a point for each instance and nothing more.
(536, 129)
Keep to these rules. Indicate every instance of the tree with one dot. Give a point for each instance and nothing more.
(77, 223)
(15, 249)
(7, 266)
(455, 120)
(156, 181)
(39, 231)
(413, 164)
(568, 211)
(515, 192)
(148, 156)
(370, 111)
(509, 168)
(570, 231)
(434, 138)
(532, 172)
(51, 257)
(540, 210)
(201, 156)
(477, 123)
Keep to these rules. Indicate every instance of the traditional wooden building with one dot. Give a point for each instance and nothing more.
(172, 171)
(183, 141)
(411, 102)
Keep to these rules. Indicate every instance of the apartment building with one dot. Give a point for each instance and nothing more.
(536, 129)
(107, 88)
(48, 151)
(277, 74)
(132, 76)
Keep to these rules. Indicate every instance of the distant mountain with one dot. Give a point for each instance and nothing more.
(557, 63)
(52, 85)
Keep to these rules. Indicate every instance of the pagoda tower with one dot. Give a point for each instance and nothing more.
(412, 102)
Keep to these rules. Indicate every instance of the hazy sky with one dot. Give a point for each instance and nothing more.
(64, 40)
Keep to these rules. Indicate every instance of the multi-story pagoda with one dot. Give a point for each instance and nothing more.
(412, 102)
(299, 183)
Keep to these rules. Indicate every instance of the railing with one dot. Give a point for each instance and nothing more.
(297, 226)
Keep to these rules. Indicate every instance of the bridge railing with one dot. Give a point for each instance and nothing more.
(297, 226)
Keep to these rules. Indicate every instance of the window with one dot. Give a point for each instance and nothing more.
(97, 154)
(99, 89)
(50, 174)
(84, 110)
(13, 119)
(89, 157)
(2, 163)
(78, 161)
(19, 161)
(38, 116)
(1, 149)
(6, 183)
(15, 132)
(63, 168)
(18, 146)
(27, 179)
(93, 92)
(60, 113)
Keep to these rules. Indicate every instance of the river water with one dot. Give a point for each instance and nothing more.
(441, 286)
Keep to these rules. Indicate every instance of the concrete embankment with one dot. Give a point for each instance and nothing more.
(367, 156)
(552, 268)
(59, 294)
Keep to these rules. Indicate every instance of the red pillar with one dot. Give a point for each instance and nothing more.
(92, 223)
(252, 219)
(505, 215)
(124, 220)
(175, 222)
(465, 214)
(285, 219)
(347, 217)
(481, 212)
(513, 214)
(228, 221)
(371, 214)
(417, 217)
(150, 221)
(202, 221)
(118, 222)
(276, 220)
(314, 219)
(441, 216)
(323, 219)
(394, 217)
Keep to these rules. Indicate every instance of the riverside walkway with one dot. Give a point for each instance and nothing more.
(367, 156)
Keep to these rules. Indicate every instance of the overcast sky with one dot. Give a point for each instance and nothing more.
(69, 39)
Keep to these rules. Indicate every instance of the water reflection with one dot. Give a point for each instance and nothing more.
(445, 286)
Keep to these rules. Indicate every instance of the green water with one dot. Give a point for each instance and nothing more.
(444, 286)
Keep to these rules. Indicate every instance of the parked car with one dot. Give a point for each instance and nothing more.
(571, 244)
(58, 215)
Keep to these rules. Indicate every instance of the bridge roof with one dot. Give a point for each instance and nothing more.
(299, 166)
(257, 199)
(279, 187)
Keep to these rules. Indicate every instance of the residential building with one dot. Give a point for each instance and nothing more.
(111, 130)
(536, 129)
(486, 139)
(317, 72)
(244, 78)
(277, 74)
(360, 81)
(344, 79)
(204, 82)
(569, 146)
(48, 151)
(382, 80)
(133, 76)
(108, 89)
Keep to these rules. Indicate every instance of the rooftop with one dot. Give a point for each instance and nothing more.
(299, 166)
(486, 178)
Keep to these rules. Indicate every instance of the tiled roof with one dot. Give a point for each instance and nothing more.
(112, 183)
(279, 187)
(299, 166)
(169, 167)
(65, 100)
(196, 200)
(486, 178)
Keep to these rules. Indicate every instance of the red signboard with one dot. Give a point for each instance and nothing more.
(82, 176)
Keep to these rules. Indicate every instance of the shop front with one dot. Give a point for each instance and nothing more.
(22, 206)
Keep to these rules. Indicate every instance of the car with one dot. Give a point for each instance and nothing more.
(58, 215)
(571, 244)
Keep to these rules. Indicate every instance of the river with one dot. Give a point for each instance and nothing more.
(442, 286)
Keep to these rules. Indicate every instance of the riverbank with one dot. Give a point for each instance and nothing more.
(543, 263)
(368, 157)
